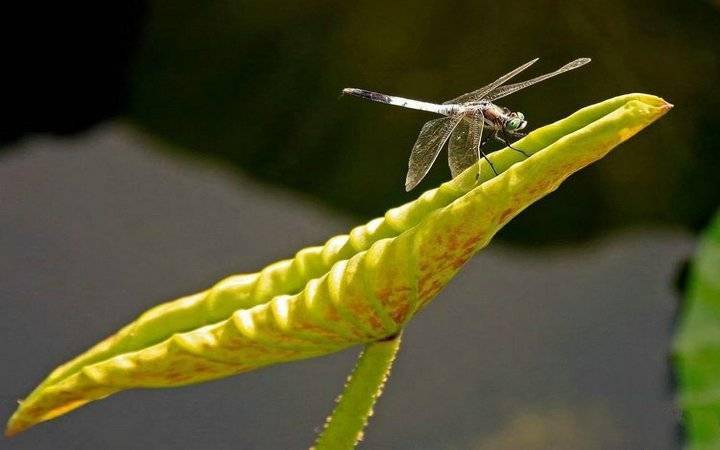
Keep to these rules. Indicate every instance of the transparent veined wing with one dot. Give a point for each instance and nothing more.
(432, 137)
(480, 93)
(503, 91)
(464, 143)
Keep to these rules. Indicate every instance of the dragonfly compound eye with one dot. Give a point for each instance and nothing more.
(515, 123)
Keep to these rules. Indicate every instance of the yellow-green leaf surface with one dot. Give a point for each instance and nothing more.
(697, 346)
(357, 288)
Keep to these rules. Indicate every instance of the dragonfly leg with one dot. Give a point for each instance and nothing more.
(505, 141)
(492, 166)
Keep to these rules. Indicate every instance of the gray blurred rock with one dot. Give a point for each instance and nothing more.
(552, 348)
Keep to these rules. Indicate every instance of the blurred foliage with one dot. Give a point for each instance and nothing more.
(697, 345)
(257, 83)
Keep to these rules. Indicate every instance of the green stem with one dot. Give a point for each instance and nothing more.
(344, 428)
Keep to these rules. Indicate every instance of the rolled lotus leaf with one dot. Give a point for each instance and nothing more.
(357, 288)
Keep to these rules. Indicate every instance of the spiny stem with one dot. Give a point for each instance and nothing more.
(344, 428)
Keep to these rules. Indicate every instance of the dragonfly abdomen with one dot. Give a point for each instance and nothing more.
(393, 100)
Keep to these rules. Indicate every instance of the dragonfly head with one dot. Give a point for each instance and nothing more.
(515, 122)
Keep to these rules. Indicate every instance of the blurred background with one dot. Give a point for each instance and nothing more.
(154, 147)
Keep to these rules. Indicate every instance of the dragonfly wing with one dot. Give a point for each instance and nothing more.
(503, 91)
(480, 93)
(464, 144)
(432, 137)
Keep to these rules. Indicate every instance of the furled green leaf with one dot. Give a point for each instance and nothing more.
(697, 346)
(355, 289)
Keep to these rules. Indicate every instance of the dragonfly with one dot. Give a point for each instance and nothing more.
(465, 120)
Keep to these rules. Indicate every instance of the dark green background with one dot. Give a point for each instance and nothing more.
(256, 84)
